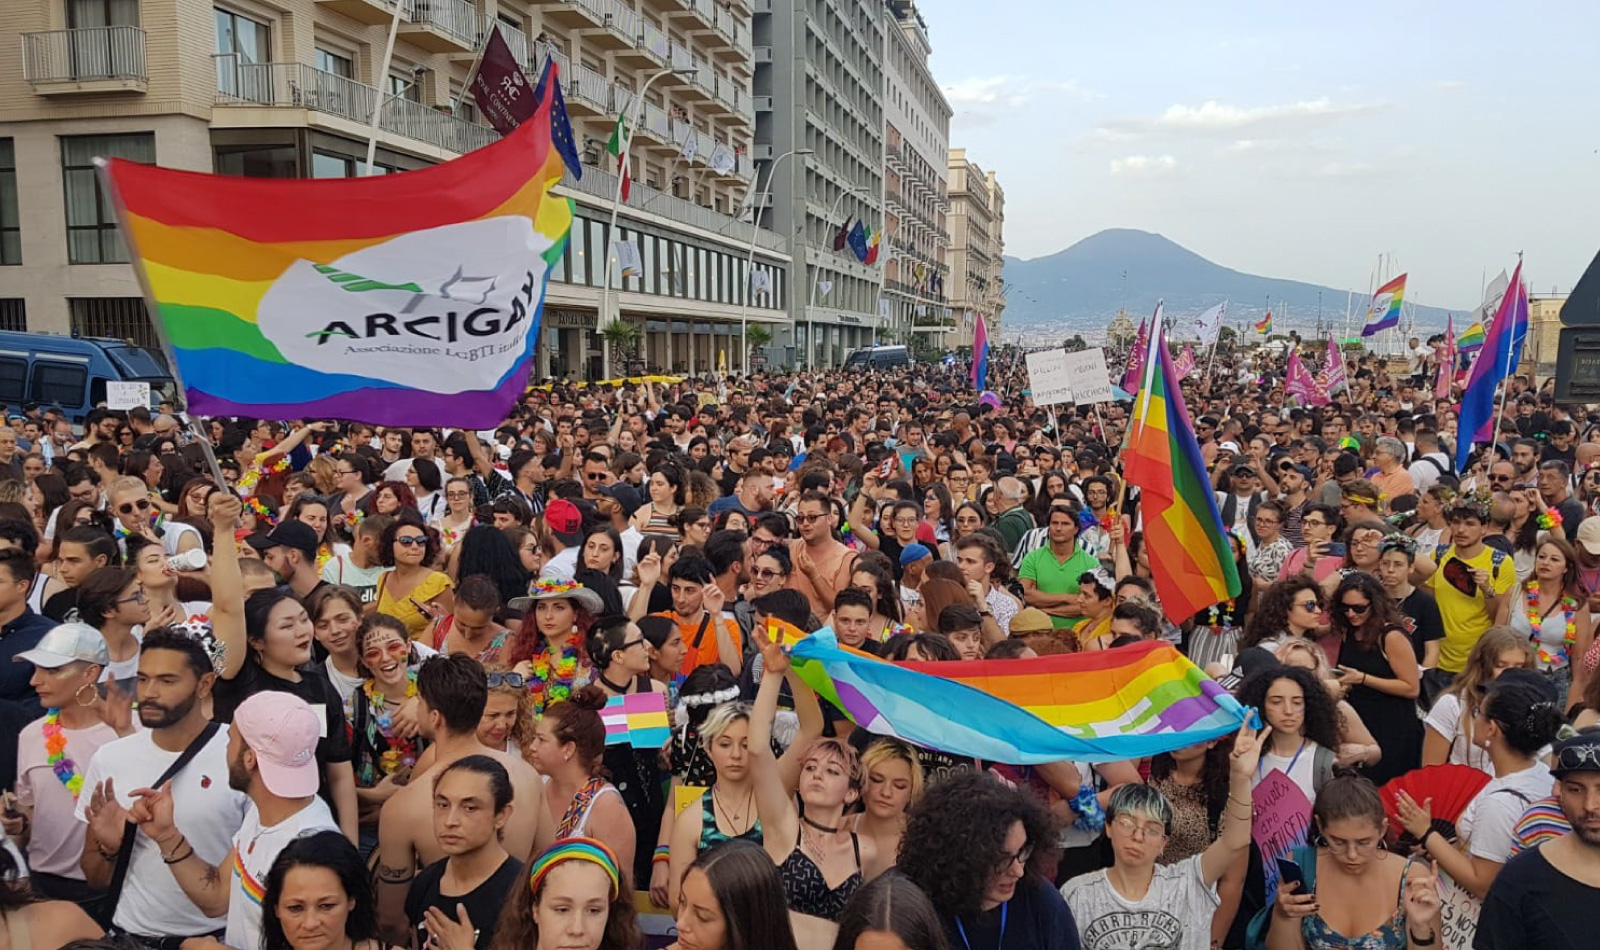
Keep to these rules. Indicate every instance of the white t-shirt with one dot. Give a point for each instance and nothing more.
(342, 569)
(124, 671)
(1299, 768)
(1175, 914)
(255, 850)
(206, 810)
(396, 472)
(1445, 719)
(172, 534)
(1488, 823)
(562, 566)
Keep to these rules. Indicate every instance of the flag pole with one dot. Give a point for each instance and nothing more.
(472, 72)
(379, 98)
(107, 186)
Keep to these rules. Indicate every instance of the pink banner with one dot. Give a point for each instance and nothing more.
(1282, 820)
(1298, 381)
(1185, 363)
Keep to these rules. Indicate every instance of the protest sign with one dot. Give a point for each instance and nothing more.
(1090, 382)
(1049, 377)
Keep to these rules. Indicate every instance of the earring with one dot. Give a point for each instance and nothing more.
(94, 695)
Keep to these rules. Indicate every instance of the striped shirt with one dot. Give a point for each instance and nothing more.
(1542, 821)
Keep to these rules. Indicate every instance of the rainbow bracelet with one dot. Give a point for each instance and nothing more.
(663, 853)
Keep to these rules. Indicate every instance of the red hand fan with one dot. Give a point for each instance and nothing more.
(1450, 786)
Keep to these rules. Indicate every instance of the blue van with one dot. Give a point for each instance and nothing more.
(71, 372)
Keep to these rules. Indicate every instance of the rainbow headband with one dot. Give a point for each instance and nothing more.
(575, 849)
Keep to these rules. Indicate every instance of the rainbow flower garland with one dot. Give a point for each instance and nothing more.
(1549, 519)
(547, 587)
(551, 682)
(55, 747)
(1569, 632)
(401, 752)
(248, 481)
(262, 512)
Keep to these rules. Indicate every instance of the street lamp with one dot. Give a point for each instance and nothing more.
(812, 301)
(750, 257)
(605, 318)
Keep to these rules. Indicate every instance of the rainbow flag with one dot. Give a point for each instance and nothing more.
(1472, 340)
(1384, 311)
(1191, 558)
(1265, 326)
(637, 719)
(980, 354)
(1106, 706)
(405, 299)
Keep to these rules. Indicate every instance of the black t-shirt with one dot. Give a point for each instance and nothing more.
(483, 903)
(1036, 918)
(1531, 904)
(1423, 621)
(314, 688)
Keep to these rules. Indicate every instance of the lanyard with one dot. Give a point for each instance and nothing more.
(999, 944)
(1288, 772)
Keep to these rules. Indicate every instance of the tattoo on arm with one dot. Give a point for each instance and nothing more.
(211, 878)
(389, 875)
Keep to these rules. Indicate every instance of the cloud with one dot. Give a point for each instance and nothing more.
(1215, 118)
(1449, 85)
(1144, 166)
(1010, 92)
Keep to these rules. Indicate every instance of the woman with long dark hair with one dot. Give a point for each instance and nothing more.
(1305, 725)
(890, 908)
(318, 896)
(1551, 609)
(577, 896)
(491, 553)
(732, 899)
(1379, 671)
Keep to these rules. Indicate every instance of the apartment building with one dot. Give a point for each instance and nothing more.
(916, 156)
(976, 251)
(288, 88)
(819, 146)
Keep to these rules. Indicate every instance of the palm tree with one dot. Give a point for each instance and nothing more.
(756, 337)
(624, 338)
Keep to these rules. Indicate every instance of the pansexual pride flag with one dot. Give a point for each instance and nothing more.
(1191, 559)
(405, 299)
(1104, 706)
(1384, 311)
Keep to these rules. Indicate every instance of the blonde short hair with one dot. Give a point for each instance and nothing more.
(888, 749)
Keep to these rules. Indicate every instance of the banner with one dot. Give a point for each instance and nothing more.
(1298, 381)
(500, 89)
(1282, 821)
(722, 159)
(1088, 377)
(1049, 377)
(1185, 363)
(628, 258)
(1208, 325)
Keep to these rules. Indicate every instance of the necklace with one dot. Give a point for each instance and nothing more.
(734, 817)
(820, 827)
(619, 690)
(553, 678)
(55, 747)
(400, 752)
(1536, 618)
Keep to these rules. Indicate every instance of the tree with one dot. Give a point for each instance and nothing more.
(624, 338)
(757, 336)
(1075, 343)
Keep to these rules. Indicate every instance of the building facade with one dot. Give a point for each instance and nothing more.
(288, 88)
(819, 147)
(916, 162)
(1544, 321)
(977, 250)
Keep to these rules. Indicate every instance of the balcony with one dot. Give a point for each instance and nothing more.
(370, 12)
(654, 124)
(601, 186)
(299, 86)
(622, 27)
(576, 14)
(588, 92)
(517, 42)
(97, 59)
(732, 37)
(442, 26)
(731, 99)
(762, 54)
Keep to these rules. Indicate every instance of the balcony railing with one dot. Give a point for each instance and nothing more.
(621, 18)
(590, 86)
(456, 18)
(297, 85)
(84, 55)
(656, 123)
(517, 41)
(603, 185)
(656, 42)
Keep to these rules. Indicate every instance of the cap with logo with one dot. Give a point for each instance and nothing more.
(564, 518)
(290, 534)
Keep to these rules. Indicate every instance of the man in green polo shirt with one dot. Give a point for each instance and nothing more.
(1050, 574)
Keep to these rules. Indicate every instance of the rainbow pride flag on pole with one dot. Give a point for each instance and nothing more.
(1472, 340)
(405, 299)
(1265, 326)
(1104, 706)
(1191, 559)
(1384, 311)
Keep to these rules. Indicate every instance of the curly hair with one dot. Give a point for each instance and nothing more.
(408, 518)
(955, 837)
(1384, 614)
(1271, 616)
(1321, 722)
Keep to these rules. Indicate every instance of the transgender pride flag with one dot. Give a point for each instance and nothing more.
(980, 355)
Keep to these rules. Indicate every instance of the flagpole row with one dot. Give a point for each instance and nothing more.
(379, 99)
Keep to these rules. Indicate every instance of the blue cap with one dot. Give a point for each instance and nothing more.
(913, 552)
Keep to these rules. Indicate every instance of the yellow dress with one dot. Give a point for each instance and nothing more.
(404, 610)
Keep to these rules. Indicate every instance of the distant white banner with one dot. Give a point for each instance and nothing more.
(1209, 323)
(1089, 379)
(628, 258)
(1049, 377)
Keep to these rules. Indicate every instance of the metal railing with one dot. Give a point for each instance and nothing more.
(603, 185)
(731, 28)
(655, 42)
(300, 86)
(682, 58)
(98, 52)
(517, 41)
(732, 94)
(590, 86)
(457, 18)
(656, 123)
(621, 18)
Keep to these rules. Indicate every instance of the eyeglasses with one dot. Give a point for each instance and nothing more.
(1131, 826)
(128, 507)
(1019, 858)
(631, 643)
(1308, 605)
(458, 494)
(412, 541)
(393, 648)
(594, 476)
(807, 519)
(1309, 523)
(513, 680)
(137, 597)
(1354, 608)
(767, 574)
(757, 540)
(344, 471)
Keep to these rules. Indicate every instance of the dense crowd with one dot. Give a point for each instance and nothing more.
(353, 695)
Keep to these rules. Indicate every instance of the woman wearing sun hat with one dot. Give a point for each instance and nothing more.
(549, 649)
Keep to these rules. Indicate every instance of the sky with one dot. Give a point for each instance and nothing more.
(1291, 140)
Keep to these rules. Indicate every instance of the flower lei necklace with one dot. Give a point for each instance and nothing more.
(400, 751)
(55, 747)
(1549, 519)
(1569, 632)
(552, 682)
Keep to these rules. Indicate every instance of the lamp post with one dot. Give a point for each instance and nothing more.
(812, 301)
(605, 318)
(750, 256)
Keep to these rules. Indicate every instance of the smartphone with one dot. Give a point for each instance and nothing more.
(1336, 549)
(1336, 671)
(1290, 873)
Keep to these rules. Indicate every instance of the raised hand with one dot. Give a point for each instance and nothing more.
(107, 818)
(1248, 745)
(713, 599)
(1421, 895)
(153, 813)
(116, 710)
(650, 569)
(1416, 819)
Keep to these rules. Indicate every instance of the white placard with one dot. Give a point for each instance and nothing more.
(1089, 380)
(1049, 377)
(120, 395)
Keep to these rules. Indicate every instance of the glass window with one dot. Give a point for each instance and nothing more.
(13, 380)
(10, 219)
(325, 165)
(85, 14)
(273, 161)
(59, 383)
(650, 270)
(406, 86)
(243, 37)
(91, 225)
(336, 63)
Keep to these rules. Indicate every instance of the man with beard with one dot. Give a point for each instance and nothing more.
(175, 676)
(272, 757)
(1545, 897)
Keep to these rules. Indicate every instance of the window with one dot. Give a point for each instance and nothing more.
(243, 52)
(13, 379)
(91, 226)
(10, 222)
(87, 14)
(119, 318)
(58, 383)
(336, 63)
(13, 314)
(266, 161)
(405, 86)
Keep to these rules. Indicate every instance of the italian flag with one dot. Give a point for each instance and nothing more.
(618, 147)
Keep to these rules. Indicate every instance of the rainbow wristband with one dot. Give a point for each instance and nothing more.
(663, 853)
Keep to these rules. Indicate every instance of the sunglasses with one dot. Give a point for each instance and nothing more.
(807, 519)
(1309, 605)
(128, 507)
(767, 574)
(1576, 757)
(412, 541)
(394, 648)
(513, 680)
(1354, 608)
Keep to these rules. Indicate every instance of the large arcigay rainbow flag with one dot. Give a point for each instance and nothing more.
(404, 299)
(1105, 706)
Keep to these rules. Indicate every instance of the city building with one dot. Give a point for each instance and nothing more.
(819, 147)
(288, 88)
(977, 249)
(916, 161)
(1544, 322)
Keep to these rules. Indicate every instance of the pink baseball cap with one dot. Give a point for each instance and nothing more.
(282, 730)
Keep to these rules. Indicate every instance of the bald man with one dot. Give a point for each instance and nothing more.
(1014, 520)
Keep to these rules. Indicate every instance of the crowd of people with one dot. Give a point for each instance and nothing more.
(341, 687)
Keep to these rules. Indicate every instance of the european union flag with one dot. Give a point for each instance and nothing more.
(560, 125)
(858, 241)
